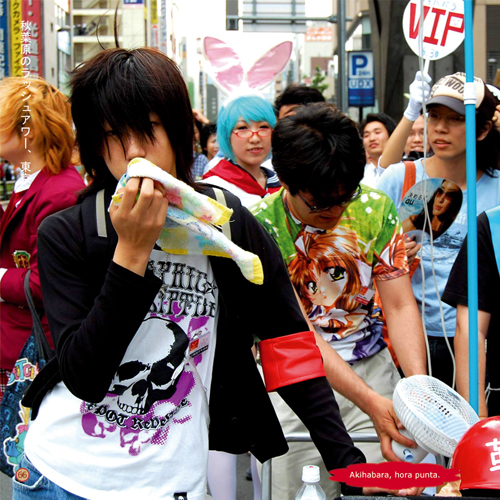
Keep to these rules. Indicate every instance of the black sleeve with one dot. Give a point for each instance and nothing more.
(314, 403)
(91, 325)
(488, 277)
(276, 311)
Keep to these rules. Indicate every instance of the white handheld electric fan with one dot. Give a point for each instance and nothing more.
(433, 414)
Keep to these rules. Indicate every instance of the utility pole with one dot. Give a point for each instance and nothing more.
(148, 7)
(342, 72)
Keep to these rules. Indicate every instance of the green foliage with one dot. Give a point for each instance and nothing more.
(318, 80)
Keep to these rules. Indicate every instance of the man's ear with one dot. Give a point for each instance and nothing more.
(284, 185)
(485, 131)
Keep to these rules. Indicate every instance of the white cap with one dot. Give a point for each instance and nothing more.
(310, 473)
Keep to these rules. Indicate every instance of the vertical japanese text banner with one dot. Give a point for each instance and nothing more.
(31, 42)
(15, 18)
(4, 48)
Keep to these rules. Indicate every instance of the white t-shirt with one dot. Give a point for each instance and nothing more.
(148, 438)
(372, 175)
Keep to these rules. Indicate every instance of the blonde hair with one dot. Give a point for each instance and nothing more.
(49, 118)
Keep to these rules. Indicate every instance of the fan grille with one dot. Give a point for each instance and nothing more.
(435, 415)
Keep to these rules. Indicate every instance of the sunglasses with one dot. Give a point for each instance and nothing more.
(449, 194)
(338, 203)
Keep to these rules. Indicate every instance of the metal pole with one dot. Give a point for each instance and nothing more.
(470, 140)
(341, 37)
(292, 19)
(71, 34)
(148, 24)
(267, 480)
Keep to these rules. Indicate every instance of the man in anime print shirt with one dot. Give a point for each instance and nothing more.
(338, 237)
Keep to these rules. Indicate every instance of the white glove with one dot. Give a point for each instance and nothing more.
(420, 91)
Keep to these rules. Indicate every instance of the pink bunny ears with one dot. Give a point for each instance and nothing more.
(229, 74)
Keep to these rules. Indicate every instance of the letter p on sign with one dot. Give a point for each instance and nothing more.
(358, 62)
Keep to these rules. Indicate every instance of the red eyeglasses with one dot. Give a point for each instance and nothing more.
(247, 133)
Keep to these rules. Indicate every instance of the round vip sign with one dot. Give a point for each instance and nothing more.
(443, 27)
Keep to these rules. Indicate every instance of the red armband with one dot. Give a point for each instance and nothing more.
(290, 359)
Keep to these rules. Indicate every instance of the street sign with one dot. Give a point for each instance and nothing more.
(443, 29)
(361, 86)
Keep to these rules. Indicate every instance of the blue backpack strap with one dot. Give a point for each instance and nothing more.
(493, 215)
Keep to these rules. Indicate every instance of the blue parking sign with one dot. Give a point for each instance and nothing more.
(361, 82)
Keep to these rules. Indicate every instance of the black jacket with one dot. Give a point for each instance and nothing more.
(95, 307)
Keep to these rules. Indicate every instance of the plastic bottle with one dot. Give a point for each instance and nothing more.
(310, 490)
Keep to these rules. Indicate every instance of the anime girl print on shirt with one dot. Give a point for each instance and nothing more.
(333, 270)
(167, 366)
(333, 279)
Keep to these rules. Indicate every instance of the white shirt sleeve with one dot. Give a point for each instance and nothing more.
(2, 272)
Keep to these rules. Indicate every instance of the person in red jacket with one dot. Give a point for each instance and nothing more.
(36, 133)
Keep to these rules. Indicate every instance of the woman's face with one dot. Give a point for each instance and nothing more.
(212, 146)
(444, 198)
(250, 152)
(329, 286)
(159, 151)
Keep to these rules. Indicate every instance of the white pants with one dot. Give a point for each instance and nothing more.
(381, 375)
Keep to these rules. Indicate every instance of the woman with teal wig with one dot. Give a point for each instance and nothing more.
(244, 129)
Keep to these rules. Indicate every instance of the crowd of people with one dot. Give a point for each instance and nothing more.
(161, 357)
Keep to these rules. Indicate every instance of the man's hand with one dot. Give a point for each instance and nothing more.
(412, 249)
(420, 91)
(200, 116)
(386, 425)
(496, 118)
(138, 222)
